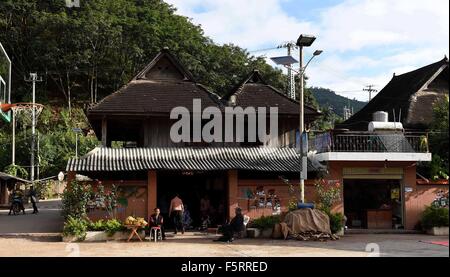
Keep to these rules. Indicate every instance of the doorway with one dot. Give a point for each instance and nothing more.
(192, 187)
(373, 204)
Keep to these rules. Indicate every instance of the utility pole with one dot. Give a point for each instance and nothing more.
(33, 78)
(291, 76)
(370, 89)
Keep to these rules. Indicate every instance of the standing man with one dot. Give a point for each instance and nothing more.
(176, 210)
(32, 195)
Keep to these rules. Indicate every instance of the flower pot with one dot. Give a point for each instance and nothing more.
(253, 232)
(93, 236)
(340, 232)
(267, 233)
(438, 231)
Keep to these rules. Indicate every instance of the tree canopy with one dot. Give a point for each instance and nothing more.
(86, 53)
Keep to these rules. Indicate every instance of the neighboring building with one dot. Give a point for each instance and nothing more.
(7, 185)
(150, 167)
(408, 98)
(374, 154)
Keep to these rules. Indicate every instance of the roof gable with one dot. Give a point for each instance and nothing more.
(165, 67)
(396, 95)
(254, 91)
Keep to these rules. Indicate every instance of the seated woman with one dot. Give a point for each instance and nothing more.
(236, 225)
(157, 220)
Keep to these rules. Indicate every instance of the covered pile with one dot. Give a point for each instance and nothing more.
(307, 224)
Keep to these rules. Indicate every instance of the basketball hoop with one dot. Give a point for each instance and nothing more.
(23, 111)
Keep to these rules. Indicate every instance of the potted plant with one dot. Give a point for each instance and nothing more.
(435, 221)
(265, 225)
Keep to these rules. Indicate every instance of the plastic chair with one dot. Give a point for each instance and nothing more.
(156, 232)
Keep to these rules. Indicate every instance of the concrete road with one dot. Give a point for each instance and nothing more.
(191, 245)
(48, 220)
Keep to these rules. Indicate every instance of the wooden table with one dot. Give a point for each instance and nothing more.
(133, 232)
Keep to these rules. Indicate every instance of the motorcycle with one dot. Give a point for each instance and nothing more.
(17, 205)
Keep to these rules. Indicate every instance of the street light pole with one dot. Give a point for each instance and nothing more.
(301, 125)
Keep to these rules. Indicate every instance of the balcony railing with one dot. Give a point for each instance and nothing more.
(369, 142)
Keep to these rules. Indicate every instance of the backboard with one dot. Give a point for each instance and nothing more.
(5, 83)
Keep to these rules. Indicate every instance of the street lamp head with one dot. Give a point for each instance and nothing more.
(61, 176)
(305, 40)
(317, 52)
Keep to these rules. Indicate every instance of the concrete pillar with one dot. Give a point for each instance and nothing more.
(70, 177)
(151, 192)
(232, 192)
(104, 132)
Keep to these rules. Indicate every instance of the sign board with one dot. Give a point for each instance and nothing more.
(5, 83)
(408, 189)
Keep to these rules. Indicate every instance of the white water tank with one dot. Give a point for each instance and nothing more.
(377, 126)
(380, 116)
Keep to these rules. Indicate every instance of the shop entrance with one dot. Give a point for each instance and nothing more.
(192, 187)
(373, 204)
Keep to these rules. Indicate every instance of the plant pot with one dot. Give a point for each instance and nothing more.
(340, 232)
(253, 232)
(93, 236)
(438, 231)
(267, 233)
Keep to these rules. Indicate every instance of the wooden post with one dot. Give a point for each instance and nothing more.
(232, 192)
(104, 131)
(151, 192)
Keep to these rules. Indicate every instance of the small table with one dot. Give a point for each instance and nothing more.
(133, 232)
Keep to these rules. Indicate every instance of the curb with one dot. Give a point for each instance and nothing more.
(34, 236)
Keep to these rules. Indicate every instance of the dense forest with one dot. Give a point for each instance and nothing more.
(83, 54)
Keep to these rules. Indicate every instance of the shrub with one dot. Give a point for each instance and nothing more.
(96, 226)
(76, 227)
(74, 200)
(435, 217)
(112, 226)
(336, 222)
(266, 222)
(328, 194)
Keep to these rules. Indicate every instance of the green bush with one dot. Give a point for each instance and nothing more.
(112, 226)
(336, 222)
(266, 222)
(96, 226)
(434, 217)
(76, 227)
(74, 200)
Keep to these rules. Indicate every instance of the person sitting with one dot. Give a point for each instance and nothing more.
(17, 198)
(236, 225)
(157, 220)
(206, 222)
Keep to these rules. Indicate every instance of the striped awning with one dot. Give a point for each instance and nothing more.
(201, 159)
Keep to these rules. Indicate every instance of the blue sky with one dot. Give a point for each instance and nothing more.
(364, 41)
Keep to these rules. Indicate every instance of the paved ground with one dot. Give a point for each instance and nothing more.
(191, 245)
(48, 219)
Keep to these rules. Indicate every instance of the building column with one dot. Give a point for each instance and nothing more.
(151, 192)
(71, 176)
(232, 192)
(104, 131)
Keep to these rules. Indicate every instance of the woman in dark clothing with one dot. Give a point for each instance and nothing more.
(32, 195)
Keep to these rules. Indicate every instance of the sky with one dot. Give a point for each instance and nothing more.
(364, 41)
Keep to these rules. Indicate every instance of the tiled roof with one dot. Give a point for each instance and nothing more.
(396, 95)
(253, 91)
(202, 159)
